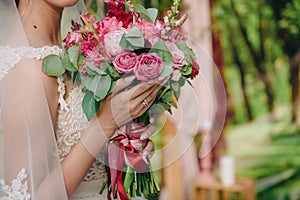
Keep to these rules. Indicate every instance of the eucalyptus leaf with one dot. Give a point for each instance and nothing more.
(99, 14)
(73, 55)
(89, 105)
(142, 11)
(161, 49)
(92, 70)
(132, 40)
(53, 66)
(102, 86)
(189, 54)
(152, 12)
(67, 63)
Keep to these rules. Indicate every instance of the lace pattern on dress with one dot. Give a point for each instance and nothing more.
(11, 56)
(69, 128)
(18, 188)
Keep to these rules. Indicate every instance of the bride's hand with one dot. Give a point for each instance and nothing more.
(121, 107)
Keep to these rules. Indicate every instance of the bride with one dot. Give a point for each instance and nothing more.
(49, 150)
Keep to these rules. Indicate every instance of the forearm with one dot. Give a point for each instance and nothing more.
(79, 160)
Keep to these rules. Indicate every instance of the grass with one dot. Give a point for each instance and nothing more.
(265, 149)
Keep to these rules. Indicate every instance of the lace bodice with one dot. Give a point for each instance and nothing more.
(11, 56)
(71, 124)
(71, 120)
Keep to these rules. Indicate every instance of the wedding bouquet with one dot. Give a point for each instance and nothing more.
(127, 40)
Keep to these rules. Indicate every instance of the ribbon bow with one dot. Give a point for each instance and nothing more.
(125, 148)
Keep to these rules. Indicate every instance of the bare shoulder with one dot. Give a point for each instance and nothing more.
(50, 85)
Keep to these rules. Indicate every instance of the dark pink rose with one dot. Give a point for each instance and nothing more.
(149, 67)
(125, 62)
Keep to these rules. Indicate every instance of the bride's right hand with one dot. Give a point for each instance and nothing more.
(121, 106)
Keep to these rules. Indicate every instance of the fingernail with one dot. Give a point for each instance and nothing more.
(128, 79)
(144, 136)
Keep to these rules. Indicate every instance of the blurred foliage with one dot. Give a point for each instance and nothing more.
(263, 34)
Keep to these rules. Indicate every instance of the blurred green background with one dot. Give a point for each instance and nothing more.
(259, 43)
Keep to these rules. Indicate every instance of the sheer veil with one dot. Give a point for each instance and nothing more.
(29, 163)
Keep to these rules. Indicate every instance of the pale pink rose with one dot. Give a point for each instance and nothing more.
(112, 42)
(149, 67)
(125, 62)
(73, 38)
(94, 57)
(177, 54)
(150, 31)
(107, 25)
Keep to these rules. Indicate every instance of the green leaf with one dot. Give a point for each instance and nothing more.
(161, 49)
(176, 89)
(89, 105)
(112, 87)
(142, 11)
(152, 12)
(53, 66)
(92, 70)
(81, 60)
(112, 72)
(67, 63)
(99, 14)
(99, 85)
(189, 54)
(73, 55)
(133, 39)
(186, 70)
(157, 109)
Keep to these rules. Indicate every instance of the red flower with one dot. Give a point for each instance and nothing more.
(195, 69)
(118, 10)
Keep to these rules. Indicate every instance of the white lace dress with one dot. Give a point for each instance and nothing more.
(71, 121)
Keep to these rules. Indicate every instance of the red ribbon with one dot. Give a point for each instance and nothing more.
(125, 148)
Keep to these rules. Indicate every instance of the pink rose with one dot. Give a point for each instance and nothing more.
(178, 55)
(112, 42)
(106, 25)
(150, 31)
(125, 62)
(94, 57)
(149, 67)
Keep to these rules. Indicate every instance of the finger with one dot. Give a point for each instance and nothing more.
(123, 83)
(143, 87)
(148, 133)
(149, 149)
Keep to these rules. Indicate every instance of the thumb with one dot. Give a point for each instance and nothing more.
(122, 83)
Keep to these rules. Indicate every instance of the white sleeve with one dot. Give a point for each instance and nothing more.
(28, 148)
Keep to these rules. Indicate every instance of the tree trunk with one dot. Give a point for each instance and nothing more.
(243, 82)
(257, 58)
(294, 81)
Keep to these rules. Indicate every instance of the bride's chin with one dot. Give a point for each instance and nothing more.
(63, 3)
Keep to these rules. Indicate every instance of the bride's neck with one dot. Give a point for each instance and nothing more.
(41, 23)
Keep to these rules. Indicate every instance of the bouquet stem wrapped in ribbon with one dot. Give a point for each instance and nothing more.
(125, 148)
(127, 40)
